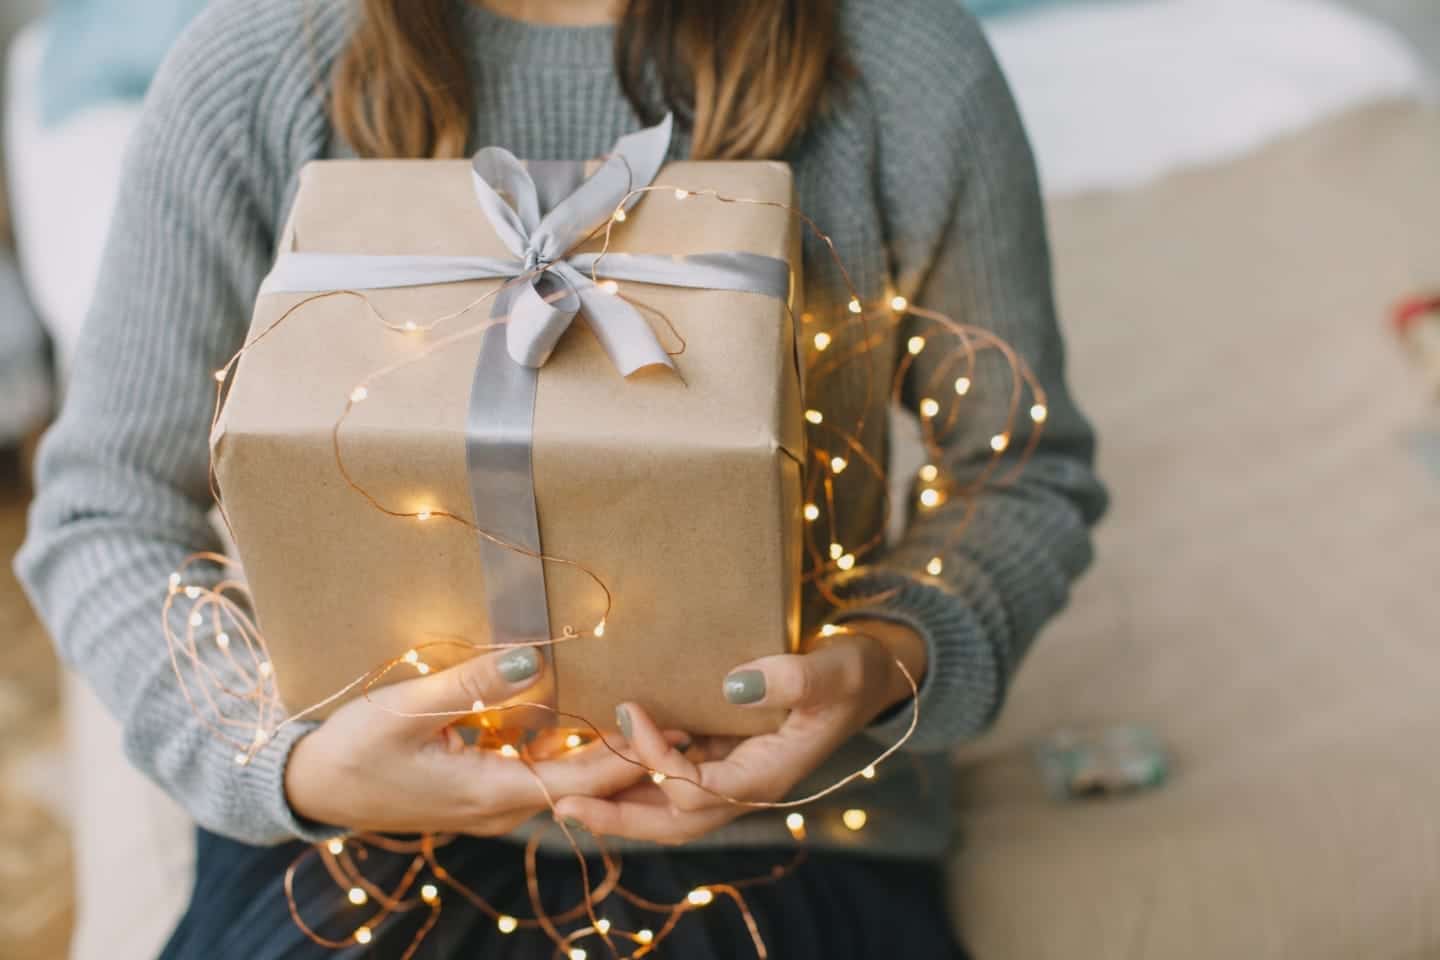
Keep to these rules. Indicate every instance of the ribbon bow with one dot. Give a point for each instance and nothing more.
(552, 208)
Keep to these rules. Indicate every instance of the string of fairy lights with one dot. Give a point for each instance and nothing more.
(222, 655)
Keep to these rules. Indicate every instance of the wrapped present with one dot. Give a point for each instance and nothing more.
(492, 361)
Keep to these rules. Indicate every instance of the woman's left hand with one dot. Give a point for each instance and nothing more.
(832, 693)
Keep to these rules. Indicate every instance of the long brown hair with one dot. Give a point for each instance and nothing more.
(745, 76)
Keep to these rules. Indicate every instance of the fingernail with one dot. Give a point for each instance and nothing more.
(622, 720)
(745, 686)
(519, 665)
(572, 824)
(685, 744)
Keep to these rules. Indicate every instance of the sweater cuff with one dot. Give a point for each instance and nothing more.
(262, 789)
(960, 692)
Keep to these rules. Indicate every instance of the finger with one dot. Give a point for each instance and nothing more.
(681, 780)
(648, 817)
(798, 681)
(482, 681)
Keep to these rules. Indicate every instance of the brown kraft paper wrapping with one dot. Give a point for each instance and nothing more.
(681, 492)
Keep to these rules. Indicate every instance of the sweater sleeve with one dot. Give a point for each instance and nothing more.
(1007, 552)
(122, 487)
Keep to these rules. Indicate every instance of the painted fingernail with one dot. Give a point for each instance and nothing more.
(519, 665)
(622, 720)
(685, 744)
(572, 824)
(745, 686)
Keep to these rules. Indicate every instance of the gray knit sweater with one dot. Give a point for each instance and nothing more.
(921, 173)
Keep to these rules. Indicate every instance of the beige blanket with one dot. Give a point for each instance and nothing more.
(1267, 591)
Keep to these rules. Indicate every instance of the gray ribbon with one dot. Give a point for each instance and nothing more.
(552, 208)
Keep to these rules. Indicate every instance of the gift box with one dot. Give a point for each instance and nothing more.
(678, 488)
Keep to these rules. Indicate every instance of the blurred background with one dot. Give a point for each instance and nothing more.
(1243, 195)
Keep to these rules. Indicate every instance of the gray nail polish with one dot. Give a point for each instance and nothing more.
(519, 665)
(572, 824)
(622, 720)
(745, 686)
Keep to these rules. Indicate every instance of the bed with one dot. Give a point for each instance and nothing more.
(1232, 208)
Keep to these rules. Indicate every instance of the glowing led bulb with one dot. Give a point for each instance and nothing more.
(836, 551)
(935, 567)
(219, 376)
(1000, 442)
(915, 345)
(600, 629)
(829, 630)
(241, 759)
(358, 896)
(362, 935)
(422, 668)
(658, 777)
(929, 407)
(359, 394)
(609, 286)
(174, 581)
(411, 326)
(336, 846)
(1038, 413)
(620, 215)
(962, 385)
(578, 953)
(222, 640)
(795, 823)
(261, 738)
(429, 893)
(822, 340)
(700, 897)
(855, 306)
(855, 819)
(412, 656)
(192, 592)
(846, 562)
(196, 619)
(869, 772)
(930, 497)
(838, 464)
(602, 925)
(681, 194)
(424, 515)
(509, 751)
(899, 304)
(478, 706)
(574, 740)
(929, 473)
(812, 512)
(644, 937)
(507, 923)
(815, 416)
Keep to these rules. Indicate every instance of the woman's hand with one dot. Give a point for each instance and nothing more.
(369, 768)
(832, 693)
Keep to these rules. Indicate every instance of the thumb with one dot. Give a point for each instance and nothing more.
(483, 681)
(797, 681)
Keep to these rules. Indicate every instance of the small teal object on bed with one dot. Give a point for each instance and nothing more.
(99, 51)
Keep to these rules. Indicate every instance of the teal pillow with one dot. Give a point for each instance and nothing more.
(100, 50)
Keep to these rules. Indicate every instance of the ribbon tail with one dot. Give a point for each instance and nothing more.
(621, 330)
(540, 313)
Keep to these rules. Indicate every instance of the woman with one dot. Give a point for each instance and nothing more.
(907, 150)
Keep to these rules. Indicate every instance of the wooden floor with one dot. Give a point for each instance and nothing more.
(36, 903)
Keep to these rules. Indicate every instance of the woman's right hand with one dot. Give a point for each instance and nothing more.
(369, 768)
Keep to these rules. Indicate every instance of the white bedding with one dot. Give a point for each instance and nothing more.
(1118, 94)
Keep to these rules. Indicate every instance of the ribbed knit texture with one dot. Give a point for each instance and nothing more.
(921, 173)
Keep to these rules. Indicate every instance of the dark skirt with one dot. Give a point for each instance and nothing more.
(832, 906)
